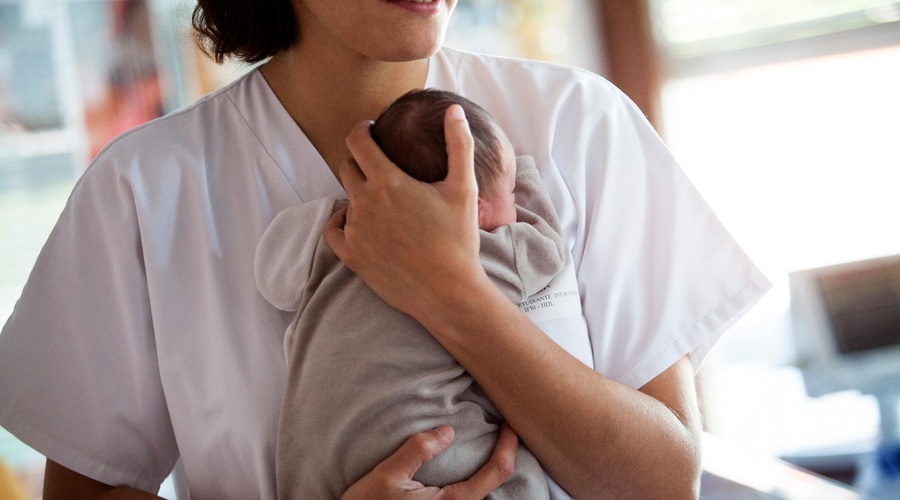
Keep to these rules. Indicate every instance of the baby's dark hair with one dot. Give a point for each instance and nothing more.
(411, 133)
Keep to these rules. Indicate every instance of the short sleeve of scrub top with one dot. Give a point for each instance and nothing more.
(89, 344)
(658, 276)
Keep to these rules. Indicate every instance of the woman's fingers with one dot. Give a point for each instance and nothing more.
(417, 450)
(333, 232)
(494, 473)
(373, 164)
(351, 176)
(392, 479)
(460, 150)
(460, 187)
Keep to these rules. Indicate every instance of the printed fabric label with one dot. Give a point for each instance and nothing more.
(559, 299)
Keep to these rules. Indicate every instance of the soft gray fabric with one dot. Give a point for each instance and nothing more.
(523, 257)
(363, 376)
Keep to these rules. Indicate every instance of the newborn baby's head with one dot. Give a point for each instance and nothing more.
(411, 133)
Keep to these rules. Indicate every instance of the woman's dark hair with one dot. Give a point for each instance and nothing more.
(411, 133)
(249, 30)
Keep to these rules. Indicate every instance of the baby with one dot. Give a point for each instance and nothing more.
(362, 376)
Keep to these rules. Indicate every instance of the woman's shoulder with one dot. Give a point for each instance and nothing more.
(532, 99)
(179, 137)
(516, 76)
(540, 105)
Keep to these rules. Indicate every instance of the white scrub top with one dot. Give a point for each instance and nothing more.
(141, 340)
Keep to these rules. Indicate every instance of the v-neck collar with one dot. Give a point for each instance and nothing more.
(286, 144)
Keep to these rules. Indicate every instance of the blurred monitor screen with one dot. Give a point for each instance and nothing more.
(863, 307)
(846, 325)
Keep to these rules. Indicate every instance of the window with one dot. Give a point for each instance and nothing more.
(697, 28)
(785, 115)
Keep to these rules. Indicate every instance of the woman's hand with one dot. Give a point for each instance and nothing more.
(414, 244)
(393, 478)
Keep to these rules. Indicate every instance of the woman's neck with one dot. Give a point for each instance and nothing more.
(327, 95)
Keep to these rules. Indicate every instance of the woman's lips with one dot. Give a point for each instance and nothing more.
(418, 6)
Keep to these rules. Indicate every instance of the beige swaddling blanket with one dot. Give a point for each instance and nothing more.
(363, 376)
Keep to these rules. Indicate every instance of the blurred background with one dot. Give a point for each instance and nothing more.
(784, 113)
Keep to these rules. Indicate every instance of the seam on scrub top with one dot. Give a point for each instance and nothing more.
(260, 142)
(686, 339)
(138, 478)
(200, 102)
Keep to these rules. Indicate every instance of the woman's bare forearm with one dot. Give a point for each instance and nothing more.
(63, 483)
(596, 437)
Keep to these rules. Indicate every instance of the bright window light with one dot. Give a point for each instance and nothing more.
(800, 161)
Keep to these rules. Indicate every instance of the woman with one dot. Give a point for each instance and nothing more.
(150, 348)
